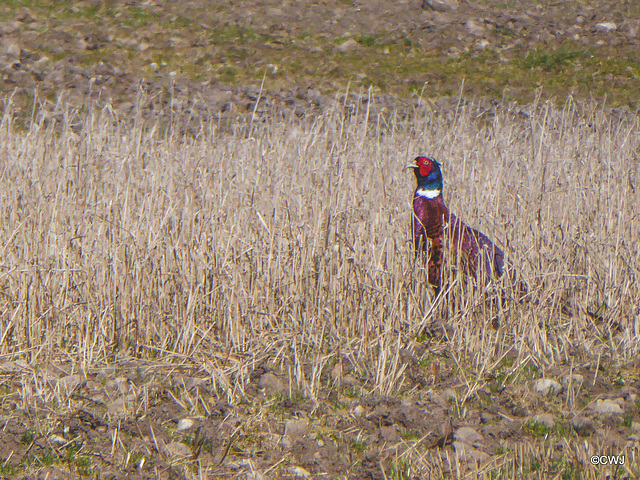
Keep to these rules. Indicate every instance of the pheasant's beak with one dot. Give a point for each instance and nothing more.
(412, 165)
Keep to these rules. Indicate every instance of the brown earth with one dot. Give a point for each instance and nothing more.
(211, 60)
(136, 419)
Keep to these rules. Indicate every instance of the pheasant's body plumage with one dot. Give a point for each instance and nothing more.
(434, 224)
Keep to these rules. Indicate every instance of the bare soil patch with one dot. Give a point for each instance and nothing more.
(206, 268)
(213, 58)
(140, 421)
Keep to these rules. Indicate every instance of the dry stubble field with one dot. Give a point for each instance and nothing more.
(246, 303)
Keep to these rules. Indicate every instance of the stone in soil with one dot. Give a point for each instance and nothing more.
(583, 426)
(606, 407)
(546, 386)
(272, 384)
(545, 419)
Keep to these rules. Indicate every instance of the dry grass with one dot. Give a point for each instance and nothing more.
(288, 243)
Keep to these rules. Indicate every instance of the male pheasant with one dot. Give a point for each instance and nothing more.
(479, 257)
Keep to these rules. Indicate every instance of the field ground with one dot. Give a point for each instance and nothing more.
(246, 303)
(205, 260)
(212, 59)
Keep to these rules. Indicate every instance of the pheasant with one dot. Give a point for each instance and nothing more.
(479, 257)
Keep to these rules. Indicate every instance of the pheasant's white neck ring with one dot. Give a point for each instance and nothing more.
(428, 193)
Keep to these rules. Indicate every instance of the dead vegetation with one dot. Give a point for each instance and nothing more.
(259, 284)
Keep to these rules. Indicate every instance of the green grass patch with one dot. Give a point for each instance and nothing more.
(410, 435)
(366, 40)
(359, 446)
(352, 392)
(27, 437)
(7, 470)
(502, 31)
(551, 60)
(564, 429)
(228, 74)
(139, 17)
(401, 470)
(537, 429)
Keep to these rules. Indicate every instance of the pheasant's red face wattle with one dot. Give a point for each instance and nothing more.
(425, 166)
